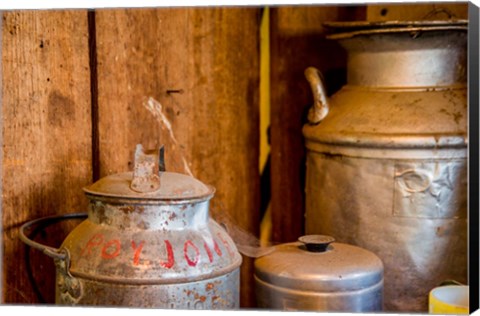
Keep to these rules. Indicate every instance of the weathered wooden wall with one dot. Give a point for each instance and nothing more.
(46, 137)
(417, 11)
(202, 67)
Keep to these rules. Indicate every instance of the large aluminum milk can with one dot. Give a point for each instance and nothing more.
(387, 154)
(318, 274)
(148, 241)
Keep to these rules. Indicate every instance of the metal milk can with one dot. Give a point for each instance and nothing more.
(387, 154)
(148, 241)
(317, 274)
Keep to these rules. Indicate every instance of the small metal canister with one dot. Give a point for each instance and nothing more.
(317, 274)
(148, 241)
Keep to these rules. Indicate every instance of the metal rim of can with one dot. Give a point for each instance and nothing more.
(117, 186)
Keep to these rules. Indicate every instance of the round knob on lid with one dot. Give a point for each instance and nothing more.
(316, 243)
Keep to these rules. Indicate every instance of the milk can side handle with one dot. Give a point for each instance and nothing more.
(49, 251)
(69, 289)
(320, 107)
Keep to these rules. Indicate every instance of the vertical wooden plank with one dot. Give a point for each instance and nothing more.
(2, 285)
(46, 138)
(297, 42)
(202, 66)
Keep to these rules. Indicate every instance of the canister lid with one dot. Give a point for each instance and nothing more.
(150, 181)
(341, 267)
(173, 186)
(358, 25)
(354, 28)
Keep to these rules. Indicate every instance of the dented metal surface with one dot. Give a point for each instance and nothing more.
(386, 168)
(148, 249)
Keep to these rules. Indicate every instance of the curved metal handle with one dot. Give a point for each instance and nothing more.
(60, 254)
(320, 107)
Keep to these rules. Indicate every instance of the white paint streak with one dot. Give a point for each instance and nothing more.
(246, 242)
(186, 167)
(156, 109)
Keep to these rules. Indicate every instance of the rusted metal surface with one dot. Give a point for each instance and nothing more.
(215, 293)
(145, 172)
(151, 249)
(168, 256)
(317, 274)
(386, 168)
(175, 188)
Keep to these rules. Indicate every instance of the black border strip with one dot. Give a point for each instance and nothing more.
(473, 103)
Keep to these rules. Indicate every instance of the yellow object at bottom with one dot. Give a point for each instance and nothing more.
(451, 299)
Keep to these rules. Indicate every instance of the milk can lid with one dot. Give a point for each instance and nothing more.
(354, 28)
(334, 267)
(358, 25)
(174, 186)
(149, 182)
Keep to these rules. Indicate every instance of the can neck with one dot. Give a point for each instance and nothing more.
(406, 60)
(146, 217)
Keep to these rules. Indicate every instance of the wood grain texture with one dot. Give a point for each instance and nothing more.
(202, 66)
(417, 11)
(46, 138)
(297, 42)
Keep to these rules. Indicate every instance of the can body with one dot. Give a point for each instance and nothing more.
(386, 168)
(422, 243)
(270, 296)
(344, 278)
(147, 241)
(319, 276)
(215, 293)
(147, 253)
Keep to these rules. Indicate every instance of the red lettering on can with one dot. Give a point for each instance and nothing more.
(95, 241)
(170, 259)
(191, 262)
(136, 251)
(225, 243)
(209, 252)
(108, 246)
(217, 249)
